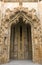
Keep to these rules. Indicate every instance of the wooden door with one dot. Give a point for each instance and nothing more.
(21, 46)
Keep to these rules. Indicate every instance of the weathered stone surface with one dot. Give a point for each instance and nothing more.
(36, 30)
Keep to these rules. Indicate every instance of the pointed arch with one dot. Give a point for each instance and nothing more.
(28, 17)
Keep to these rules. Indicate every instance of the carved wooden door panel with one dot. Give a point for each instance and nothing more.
(29, 42)
(11, 44)
(25, 42)
(20, 42)
(15, 43)
(18, 34)
(21, 46)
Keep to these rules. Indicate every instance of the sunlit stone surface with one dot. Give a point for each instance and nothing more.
(9, 14)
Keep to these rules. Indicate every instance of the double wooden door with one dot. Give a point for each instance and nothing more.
(20, 47)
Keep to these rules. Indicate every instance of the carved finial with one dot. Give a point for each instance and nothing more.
(20, 2)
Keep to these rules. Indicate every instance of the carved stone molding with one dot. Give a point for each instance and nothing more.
(12, 16)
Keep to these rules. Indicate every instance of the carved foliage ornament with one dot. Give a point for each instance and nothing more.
(11, 13)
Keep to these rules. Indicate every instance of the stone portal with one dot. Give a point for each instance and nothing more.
(21, 42)
(20, 36)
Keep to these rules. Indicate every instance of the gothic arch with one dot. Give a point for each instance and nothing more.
(28, 17)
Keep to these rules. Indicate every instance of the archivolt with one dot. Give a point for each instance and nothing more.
(21, 12)
(28, 17)
(13, 16)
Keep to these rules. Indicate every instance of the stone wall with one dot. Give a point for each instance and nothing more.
(20, 0)
(11, 16)
(40, 16)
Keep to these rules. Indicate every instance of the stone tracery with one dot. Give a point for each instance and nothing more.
(28, 17)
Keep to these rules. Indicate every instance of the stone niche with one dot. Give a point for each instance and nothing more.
(36, 31)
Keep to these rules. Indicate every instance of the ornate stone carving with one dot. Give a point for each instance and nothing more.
(28, 17)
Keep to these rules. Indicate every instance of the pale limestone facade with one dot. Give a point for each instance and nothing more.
(20, 0)
(12, 16)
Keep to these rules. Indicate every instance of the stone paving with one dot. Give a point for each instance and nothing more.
(24, 62)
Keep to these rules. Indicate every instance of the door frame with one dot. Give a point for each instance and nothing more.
(26, 22)
(22, 30)
(35, 26)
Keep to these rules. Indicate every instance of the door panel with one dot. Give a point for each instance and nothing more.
(18, 42)
(12, 44)
(15, 44)
(25, 46)
(29, 43)
(21, 47)
(21, 43)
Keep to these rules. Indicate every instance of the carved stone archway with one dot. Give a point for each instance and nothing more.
(28, 17)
